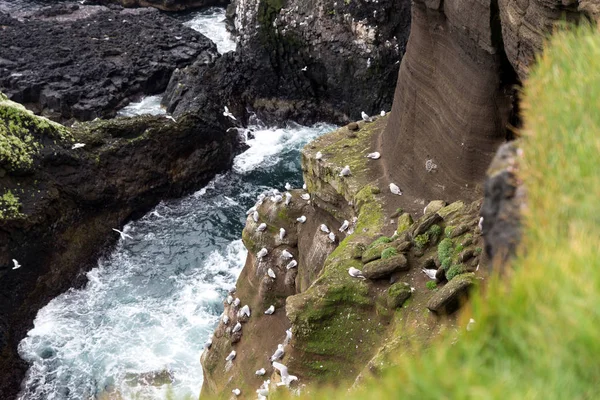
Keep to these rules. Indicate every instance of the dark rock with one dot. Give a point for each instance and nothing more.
(235, 337)
(404, 246)
(440, 275)
(424, 223)
(449, 298)
(352, 126)
(166, 5)
(88, 63)
(466, 255)
(398, 293)
(459, 230)
(428, 263)
(385, 267)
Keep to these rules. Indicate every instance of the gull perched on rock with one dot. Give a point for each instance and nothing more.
(16, 264)
(208, 343)
(225, 319)
(260, 372)
(429, 272)
(301, 219)
(286, 254)
(231, 356)
(263, 252)
(276, 198)
(261, 228)
(229, 299)
(480, 224)
(374, 156)
(237, 392)
(356, 273)
(251, 210)
(281, 233)
(291, 264)
(271, 273)
(344, 226)
(77, 146)
(288, 186)
(305, 196)
(255, 216)
(324, 228)
(395, 189)
(270, 310)
(278, 353)
(237, 328)
(382, 113)
(245, 311)
(286, 378)
(288, 198)
(236, 302)
(365, 117)
(288, 336)
(123, 234)
(304, 186)
(345, 171)
(332, 237)
(227, 114)
(262, 393)
(319, 155)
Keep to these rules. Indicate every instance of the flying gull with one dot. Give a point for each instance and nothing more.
(286, 378)
(305, 68)
(123, 234)
(281, 233)
(271, 273)
(286, 254)
(374, 156)
(278, 353)
(324, 228)
(16, 264)
(395, 189)
(261, 228)
(227, 114)
(77, 146)
(319, 155)
(429, 272)
(270, 310)
(301, 219)
(237, 328)
(291, 264)
(345, 171)
(305, 196)
(263, 252)
(231, 356)
(344, 226)
(356, 273)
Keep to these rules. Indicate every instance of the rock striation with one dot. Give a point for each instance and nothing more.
(82, 62)
(58, 204)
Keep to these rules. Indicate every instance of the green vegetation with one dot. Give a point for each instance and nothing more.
(421, 241)
(454, 271)
(381, 240)
(10, 206)
(445, 251)
(448, 231)
(431, 285)
(389, 253)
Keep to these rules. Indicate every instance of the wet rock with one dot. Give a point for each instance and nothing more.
(449, 298)
(385, 267)
(397, 294)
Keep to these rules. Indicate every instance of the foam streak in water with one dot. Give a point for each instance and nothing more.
(211, 23)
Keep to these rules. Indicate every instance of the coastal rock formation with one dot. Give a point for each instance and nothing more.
(306, 61)
(83, 62)
(166, 5)
(59, 204)
(341, 327)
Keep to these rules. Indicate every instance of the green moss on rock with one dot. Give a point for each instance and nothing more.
(404, 222)
(397, 294)
(10, 206)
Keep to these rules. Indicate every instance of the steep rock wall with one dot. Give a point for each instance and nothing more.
(167, 5)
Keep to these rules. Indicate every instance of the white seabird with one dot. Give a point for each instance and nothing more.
(260, 372)
(288, 198)
(277, 198)
(429, 272)
(236, 302)
(305, 68)
(271, 273)
(288, 186)
(319, 155)
(395, 189)
(237, 328)
(123, 234)
(365, 117)
(345, 171)
(262, 392)
(281, 233)
(278, 353)
(251, 210)
(167, 116)
(480, 224)
(229, 299)
(255, 216)
(344, 226)
(305, 196)
(471, 324)
(304, 186)
(288, 336)
(225, 319)
(270, 310)
(374, 156)
(332, 237)
(236, 391)
(156, 214)
(286, 254)
(245, 311)
(286, 378)
(77, 146)
(261, 228)
(227, 114)
(324, 228)
(301, 219)
(382, 113)
(208, 343)
(16, 264)
(263, 252)
(356, 273)
(231, 356)
(291, 264)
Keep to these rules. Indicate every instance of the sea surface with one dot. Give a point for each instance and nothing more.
(137, 329)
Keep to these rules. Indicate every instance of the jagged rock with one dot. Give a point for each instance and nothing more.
(374, 253)
(398, 293)
(166, 5)
(459, 230)
(435, 206)
(451, 210)
(87, 63)
(384, 267)
(424, 223)
(428, 263)
(404, 222)
(452, 295)
(404, 246)
(466, 255)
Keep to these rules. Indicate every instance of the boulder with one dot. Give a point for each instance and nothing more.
(449, 298)
(397, 294)
(385, 267)
(434, 206)
(424, 223)
(404, 222)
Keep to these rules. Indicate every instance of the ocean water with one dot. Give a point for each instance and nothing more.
(147, 105)
(211, 23)
(138, 327)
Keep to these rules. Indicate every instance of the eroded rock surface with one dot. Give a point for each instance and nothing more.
(166, 5)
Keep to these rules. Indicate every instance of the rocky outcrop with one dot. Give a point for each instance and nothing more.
(166, 5)
(338, 327)
(301, 60)
(58, 205)
(83, 62)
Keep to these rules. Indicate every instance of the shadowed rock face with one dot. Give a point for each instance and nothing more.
(452, 101)
(167, 5)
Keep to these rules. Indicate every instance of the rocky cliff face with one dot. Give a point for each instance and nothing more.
(83, 62)
(166, 5)
(303, 60)
(58, 205)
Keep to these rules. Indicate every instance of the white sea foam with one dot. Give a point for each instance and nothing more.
(147, 105)
(211, 23)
